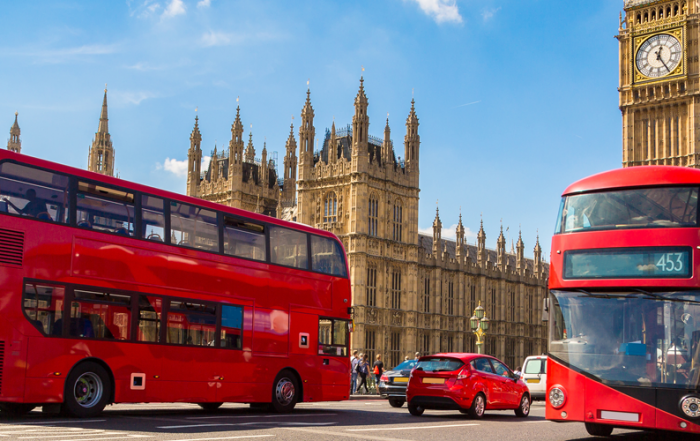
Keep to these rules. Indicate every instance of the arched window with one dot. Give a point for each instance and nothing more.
(426, 295)
(330, 208)
(450, 298)
(371, 286)
(396, 289)
(373, 216)
(398, 220)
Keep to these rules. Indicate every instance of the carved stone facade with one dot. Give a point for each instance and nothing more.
(411, 292)
(659, 87)
(101, 155)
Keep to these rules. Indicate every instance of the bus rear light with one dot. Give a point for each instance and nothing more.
(557, 396)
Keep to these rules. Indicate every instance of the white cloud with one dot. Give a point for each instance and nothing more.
(205, 162)
(129, 98)
(442, 11)
(179, 168)
(220, 38)
(488, 14)
(61, 55)
(449, 232)
(214, 38)
(143, 9)
(204, 3)
(174, 8)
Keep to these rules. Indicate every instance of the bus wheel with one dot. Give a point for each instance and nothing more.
(16, 409)
(598, 429)
(285, 392)
(87, 390)
(210, 407)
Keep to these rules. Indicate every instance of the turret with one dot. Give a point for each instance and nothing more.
(290, 167)
(520, 253)
(236, 144)
(412, 140)
(194, 159)
(360, 128)
(387, 156)
(437, 233)
(332, 146)
(307, 133)
(263, 166)
(481, 245)
(501, 250)
(101, 157)
(250, 150)
(14, 144)
(459, 233)
(214, 166)
(538, 267)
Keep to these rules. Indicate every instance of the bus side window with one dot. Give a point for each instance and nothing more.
(149, 315)
(152, 218)
(191, 323)
(105, 209)
(95, 314)
(33, 193)
(288, 248)
(333, 337)
(327, 256)
(244, 239)
(231, 325)
(193, 226)
(43, 306)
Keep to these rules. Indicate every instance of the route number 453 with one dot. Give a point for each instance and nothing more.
(671, 262)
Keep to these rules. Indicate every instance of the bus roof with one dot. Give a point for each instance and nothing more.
(643, 176)
(80, 173)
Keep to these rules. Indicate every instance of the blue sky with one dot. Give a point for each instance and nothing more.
(516, 98)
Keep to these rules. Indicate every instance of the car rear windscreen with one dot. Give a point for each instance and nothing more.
(439, 364)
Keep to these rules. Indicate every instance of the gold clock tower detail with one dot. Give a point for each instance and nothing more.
(659, 90)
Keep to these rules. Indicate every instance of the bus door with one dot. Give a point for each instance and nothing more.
(235, 369)
(333, 342)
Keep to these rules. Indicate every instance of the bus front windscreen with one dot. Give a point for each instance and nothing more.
(629, 338)
(656, 207)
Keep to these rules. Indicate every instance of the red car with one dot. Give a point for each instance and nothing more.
(470, 383)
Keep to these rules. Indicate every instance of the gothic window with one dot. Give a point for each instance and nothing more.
(371, 286)
(330, 210)
(426, 296)
(472, 299)
(510, 352)
(395, 351)
(370, 343)
(511, 305)
(493, 302)
(398, 219)
(373, 216)
(450, 298)
(425, 343)
(450, 343)
(396, 289)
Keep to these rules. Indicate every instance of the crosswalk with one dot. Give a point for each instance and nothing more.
(54, 431)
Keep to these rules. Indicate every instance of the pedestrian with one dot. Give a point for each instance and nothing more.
(353, 371)
(378, 368)
(417, 356)
(405, 358)
(517, 371)
(362, 371)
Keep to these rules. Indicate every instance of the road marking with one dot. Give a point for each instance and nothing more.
(343, 434)
(411, 428)
(96, 433)
(109, 437)
(253, 423)
(57, 422)
(531, 422)
(226, 437)
(262, 416)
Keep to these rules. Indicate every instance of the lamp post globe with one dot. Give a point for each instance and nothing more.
(479, 312)
(474, 323)
(484, 323)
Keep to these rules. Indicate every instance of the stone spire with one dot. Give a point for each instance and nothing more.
(520, 253)
(481, 244)
(236, 144)
(214, 166)
(250, 150)
(360, 123)
(332, 146)
(412, 139)
(538, 257)
(387, 157)
(194, 159)
(307, 134)
(14, 144)
(501, 249)
(459, 233)
(289, 189)
(437, 232)
(263, 170)
(101, 157)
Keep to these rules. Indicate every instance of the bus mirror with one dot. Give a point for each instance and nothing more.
(545, 309)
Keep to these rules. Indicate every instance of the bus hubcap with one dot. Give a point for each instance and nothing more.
(479, 405)
(88, 390)
(285, 391)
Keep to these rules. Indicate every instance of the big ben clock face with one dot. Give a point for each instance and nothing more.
(659, 55)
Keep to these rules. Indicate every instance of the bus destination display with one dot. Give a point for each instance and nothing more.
(628, 263)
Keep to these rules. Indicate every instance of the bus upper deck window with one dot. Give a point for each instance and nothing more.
(244, 239)
(288, 247)
(327, 256)
(193, 226)
(105, 209)
(43, 306)
(33, 193)
(152, 218)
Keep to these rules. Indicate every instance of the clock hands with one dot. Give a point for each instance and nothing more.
(658, 58)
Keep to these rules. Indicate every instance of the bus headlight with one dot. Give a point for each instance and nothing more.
(691, 406)
(557, 396)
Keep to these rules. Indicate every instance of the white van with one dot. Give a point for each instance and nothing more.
(534, 374)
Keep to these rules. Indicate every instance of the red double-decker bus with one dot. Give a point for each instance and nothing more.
(114, 292)
(624, 304)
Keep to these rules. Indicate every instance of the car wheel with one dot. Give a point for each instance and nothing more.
(524, 409)
(210, 407)
(396, 402)
(87, 390)
(598, 429)
(478, 406)
(285, 392)
(16, 409)
(415, 410)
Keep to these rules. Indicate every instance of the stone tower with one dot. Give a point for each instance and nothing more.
(14, 144)
(659, 102)
(101, 156)
(194, 158)
(289, 188)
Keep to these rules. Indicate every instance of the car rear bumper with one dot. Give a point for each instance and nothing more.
(392, 391)
(428, 402)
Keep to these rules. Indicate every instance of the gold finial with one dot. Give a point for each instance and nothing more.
(196, 109)
(237, 98)
(105, 87)
(251, 127)
(363, 68)
(16, 113)
(307, 82)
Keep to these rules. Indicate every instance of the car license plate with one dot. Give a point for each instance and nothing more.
(434, 380)
(533, 380)
(400, 379)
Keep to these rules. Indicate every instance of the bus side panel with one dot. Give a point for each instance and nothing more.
(599, 398)
(307, 291)
(666, 421)
(271, 331)
(13, 365)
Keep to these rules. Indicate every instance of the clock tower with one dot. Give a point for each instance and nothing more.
(659, 90)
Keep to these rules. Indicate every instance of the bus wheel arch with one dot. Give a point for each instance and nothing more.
(98, 381)
(286, 379)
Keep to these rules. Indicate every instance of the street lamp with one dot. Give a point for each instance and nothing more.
(479, 324)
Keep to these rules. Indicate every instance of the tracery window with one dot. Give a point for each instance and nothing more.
(373, 216)
(398, 219)
(426, 295)
(371, 286)
(330, 208)
(450, 298)
(396, 289)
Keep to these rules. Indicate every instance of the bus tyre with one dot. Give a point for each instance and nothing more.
(478, 406)
(599, 429)
(285, 392)
(16, 409)
(415, 410)
(87, 390)
(524, 409)
(396, 402)
(210, 407)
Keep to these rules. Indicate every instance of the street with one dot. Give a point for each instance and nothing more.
(360, 419)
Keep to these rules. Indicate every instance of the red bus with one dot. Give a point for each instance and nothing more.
(114, 292)
(624, 303)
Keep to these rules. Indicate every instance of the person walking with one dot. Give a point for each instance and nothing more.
(362, 371)
(417, 356)
(354, 361)
(378, 369)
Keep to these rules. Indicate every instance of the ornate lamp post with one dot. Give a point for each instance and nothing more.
(479, 324)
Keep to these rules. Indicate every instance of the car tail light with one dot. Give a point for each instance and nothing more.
(384, 378)
(464, 373)
(557, 396)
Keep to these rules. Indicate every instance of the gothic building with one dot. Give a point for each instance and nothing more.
(411, 292)
(101, 154)
(14, 144)
(659, 89)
